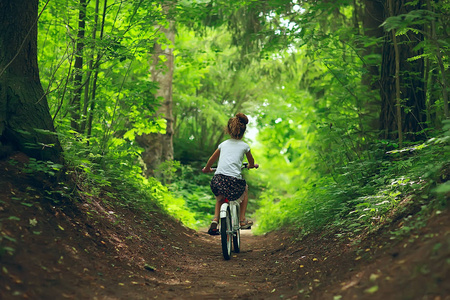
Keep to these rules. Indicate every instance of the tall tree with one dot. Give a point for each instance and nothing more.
(402, 76)
(372, 16)
(158, 147)
(25, 121)
(78, 69)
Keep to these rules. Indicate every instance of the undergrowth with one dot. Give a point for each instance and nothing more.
(119, 175)
(367, 194)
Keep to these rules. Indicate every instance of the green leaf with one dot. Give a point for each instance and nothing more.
(371, 290)
(9, 238)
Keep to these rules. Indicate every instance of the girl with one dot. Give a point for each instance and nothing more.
(227, 181)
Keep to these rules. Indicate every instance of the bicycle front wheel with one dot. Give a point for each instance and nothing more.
(236, 230)
(237, 241)
(226, 234)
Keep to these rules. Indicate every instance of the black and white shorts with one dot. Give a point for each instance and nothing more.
(230, 187)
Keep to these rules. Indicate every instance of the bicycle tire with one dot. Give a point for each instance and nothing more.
(237, 241)
(236, 231)
(226, 235)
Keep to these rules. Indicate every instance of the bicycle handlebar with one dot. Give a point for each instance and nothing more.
(245, 166)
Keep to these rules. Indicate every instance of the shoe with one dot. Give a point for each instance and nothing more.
(213, 230)
(246, 224)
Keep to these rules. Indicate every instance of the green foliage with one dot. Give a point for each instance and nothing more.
(46, 167)
(354, 200)
(208, 90)
(322, 161)
(117, 101)
(120, 172)
(297, 71)
(193, 186)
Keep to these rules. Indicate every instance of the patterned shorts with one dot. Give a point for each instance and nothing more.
(230, 187)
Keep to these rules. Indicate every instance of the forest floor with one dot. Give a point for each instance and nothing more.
(89, 248)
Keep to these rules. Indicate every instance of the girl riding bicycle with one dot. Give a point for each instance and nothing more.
(227, 181)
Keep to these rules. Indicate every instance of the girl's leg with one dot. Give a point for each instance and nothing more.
(219, 202)
(243, 206)
(213, 229)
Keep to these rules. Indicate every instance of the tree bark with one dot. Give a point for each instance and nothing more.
(25, 121)
(75, 104)
(398, 100)
(87, 98)
(159, 147)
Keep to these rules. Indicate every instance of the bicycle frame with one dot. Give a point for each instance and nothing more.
(234, 210)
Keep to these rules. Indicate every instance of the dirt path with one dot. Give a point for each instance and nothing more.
(204, 274)
(276, 266)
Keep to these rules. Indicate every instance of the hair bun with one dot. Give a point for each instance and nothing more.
(242, 118)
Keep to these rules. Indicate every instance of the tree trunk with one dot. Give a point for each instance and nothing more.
(372, 18)
(413, 113)
(75, 105)
(25, 121)
(159, 147)
(87, 92)
(398, 100)
(94, 81)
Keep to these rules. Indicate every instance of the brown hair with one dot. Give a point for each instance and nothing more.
(237, 125)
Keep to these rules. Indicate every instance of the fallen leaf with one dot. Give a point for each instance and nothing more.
(372, 290)
(373, 277)
(33, 222)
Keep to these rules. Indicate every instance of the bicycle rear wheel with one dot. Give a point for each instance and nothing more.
(226, 234)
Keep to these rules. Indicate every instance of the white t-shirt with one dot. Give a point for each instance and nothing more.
(231, 157)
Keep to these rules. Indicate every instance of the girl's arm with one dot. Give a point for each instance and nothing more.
(211, 160)
(251, 160)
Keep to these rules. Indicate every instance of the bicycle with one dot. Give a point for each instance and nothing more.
(230, 228)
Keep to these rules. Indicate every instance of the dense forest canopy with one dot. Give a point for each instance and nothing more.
(349, 100)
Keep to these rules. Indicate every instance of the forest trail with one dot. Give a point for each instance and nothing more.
(89, 248)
